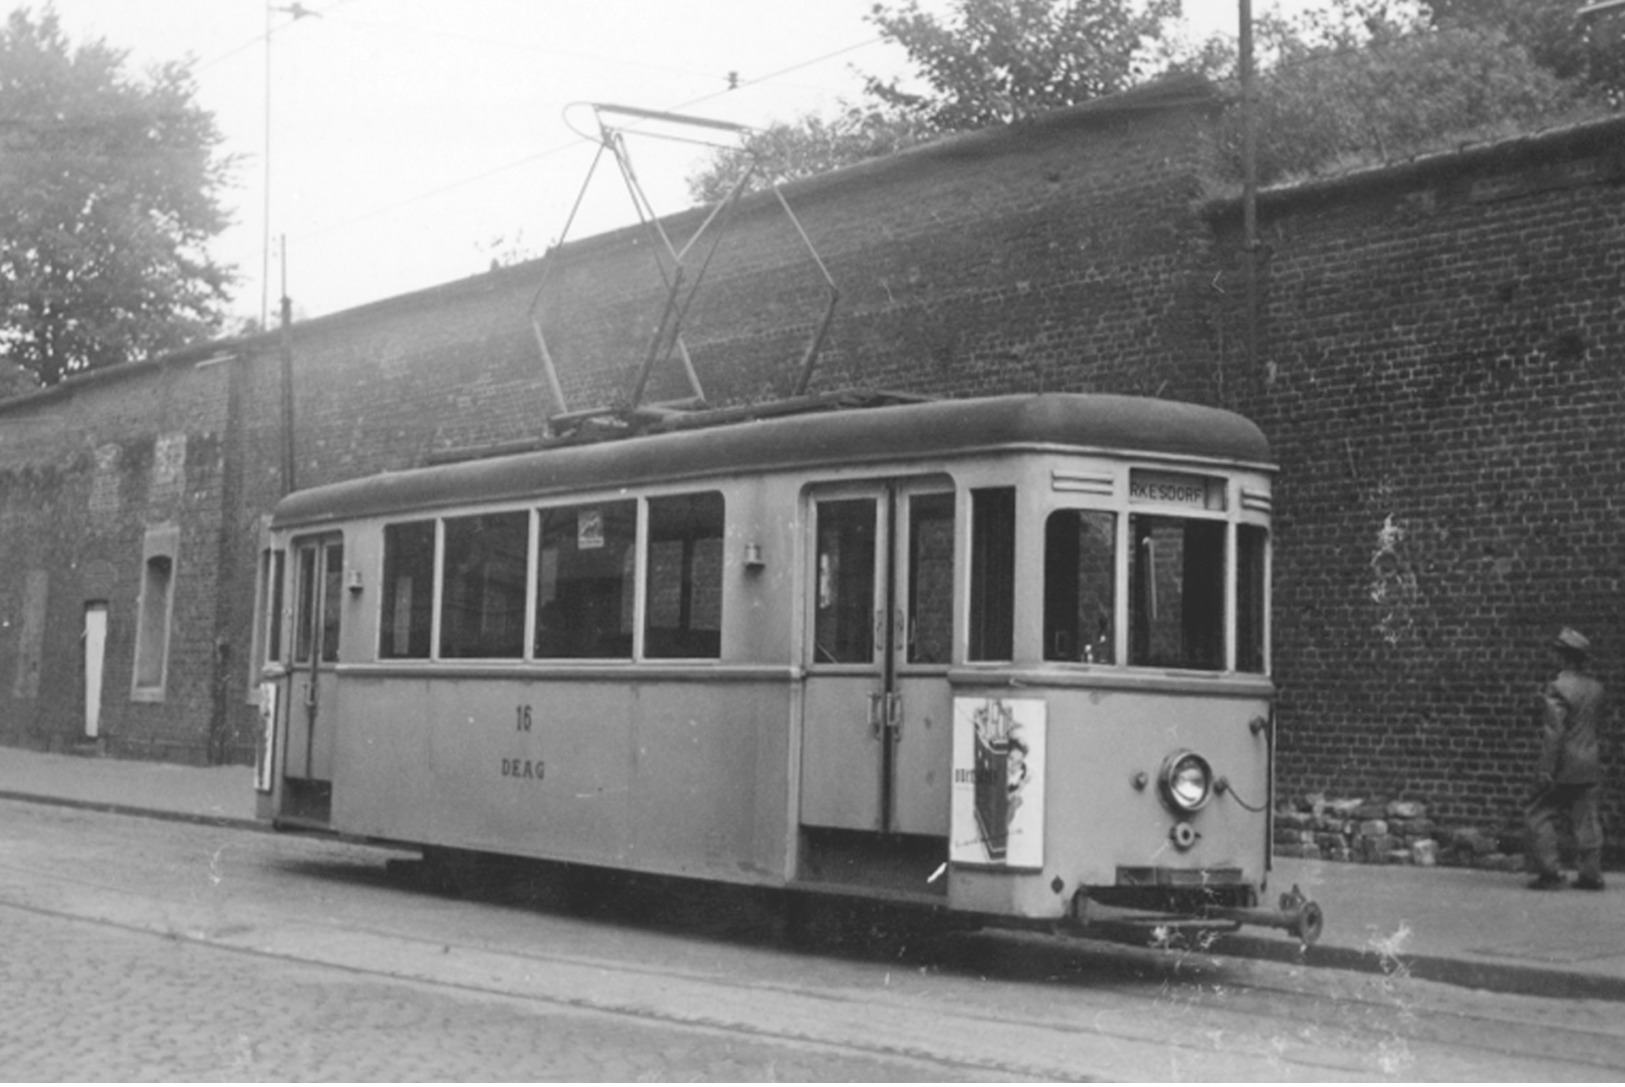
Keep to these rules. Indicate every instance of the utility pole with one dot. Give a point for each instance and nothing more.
(1249, 184)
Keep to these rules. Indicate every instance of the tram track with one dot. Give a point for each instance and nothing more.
(1224, 1014)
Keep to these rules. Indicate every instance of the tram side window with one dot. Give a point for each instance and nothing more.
(482, 614)
(993, 574)
(683, 606)
(584, 581)
(1251, 598)
(1080, 586)
(930, 578)
(408, 591)
(1176, 581)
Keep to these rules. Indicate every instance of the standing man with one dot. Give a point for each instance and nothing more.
(1570, 775)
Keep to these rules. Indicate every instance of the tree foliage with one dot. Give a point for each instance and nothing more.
(785, 151)
(1001, 60)
(1358, 81)
(108, 196)
(1372, 82)
(994, 62)
(1591, 53)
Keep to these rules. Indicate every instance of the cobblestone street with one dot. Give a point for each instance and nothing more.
(142, 949)
(85, 1000)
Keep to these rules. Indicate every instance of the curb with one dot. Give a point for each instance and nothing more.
(1493, 977)
(202, 818)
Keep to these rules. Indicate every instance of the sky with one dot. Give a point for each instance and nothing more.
(385, 146)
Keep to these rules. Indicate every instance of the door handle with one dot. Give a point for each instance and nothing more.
(877, 713)
(894, 714)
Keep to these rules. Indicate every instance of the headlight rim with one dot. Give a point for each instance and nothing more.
(1166, 778)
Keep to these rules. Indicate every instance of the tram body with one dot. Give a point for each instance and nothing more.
(1003, 656)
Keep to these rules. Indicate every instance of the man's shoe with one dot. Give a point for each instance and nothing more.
(1588, 883)
(1546, 881)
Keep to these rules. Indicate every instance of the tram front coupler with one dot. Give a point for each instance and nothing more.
(1297, 914)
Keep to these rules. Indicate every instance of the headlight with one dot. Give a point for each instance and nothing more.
(1187, 781)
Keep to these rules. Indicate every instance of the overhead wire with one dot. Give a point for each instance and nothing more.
(571, 145)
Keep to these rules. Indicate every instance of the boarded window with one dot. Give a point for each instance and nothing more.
(153, 611)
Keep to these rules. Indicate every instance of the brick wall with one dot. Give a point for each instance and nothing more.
(85, 472)
(1443, 346)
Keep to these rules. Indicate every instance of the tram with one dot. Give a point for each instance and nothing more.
(1007, 657)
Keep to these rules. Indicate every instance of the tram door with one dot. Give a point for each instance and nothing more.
(877, 729)
(318, 587)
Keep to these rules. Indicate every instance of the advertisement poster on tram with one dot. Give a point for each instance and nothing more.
(998, 783)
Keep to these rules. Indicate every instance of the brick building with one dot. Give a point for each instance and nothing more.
(1438, 368)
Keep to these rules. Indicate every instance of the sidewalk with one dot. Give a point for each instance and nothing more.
(1459, 926)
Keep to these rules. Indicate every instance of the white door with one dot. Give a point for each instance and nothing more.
(95, 639)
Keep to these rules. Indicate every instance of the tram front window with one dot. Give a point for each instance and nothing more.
(1080, 583)
(1176, 582)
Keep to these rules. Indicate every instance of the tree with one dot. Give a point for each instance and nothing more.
(788, 150)
(1591, 53)
(108, 196)
(1370, 82)
(1001, 60)
(998, 61)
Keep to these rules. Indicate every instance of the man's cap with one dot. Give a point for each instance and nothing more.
(1572, 640)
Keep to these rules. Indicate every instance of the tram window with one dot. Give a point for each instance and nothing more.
(305, 628)
(482, 612)
(993, 574)
(683, 606)
(584, 580)
(272, 616)
(1080, 583)
(930, 578)
(332, 595)
(844, 630)
(408, 591)
(1251, 599)
(1177, 584)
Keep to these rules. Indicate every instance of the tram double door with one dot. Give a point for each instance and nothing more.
(877, 716)
(307, 694)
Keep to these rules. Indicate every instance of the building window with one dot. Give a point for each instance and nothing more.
(683, 597)
(153, 611)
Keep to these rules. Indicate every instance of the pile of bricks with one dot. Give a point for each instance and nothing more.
(1379, 831)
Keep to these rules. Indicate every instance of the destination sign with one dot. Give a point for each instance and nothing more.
(1175, 489)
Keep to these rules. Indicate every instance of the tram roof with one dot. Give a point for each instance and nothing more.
(937, 430)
